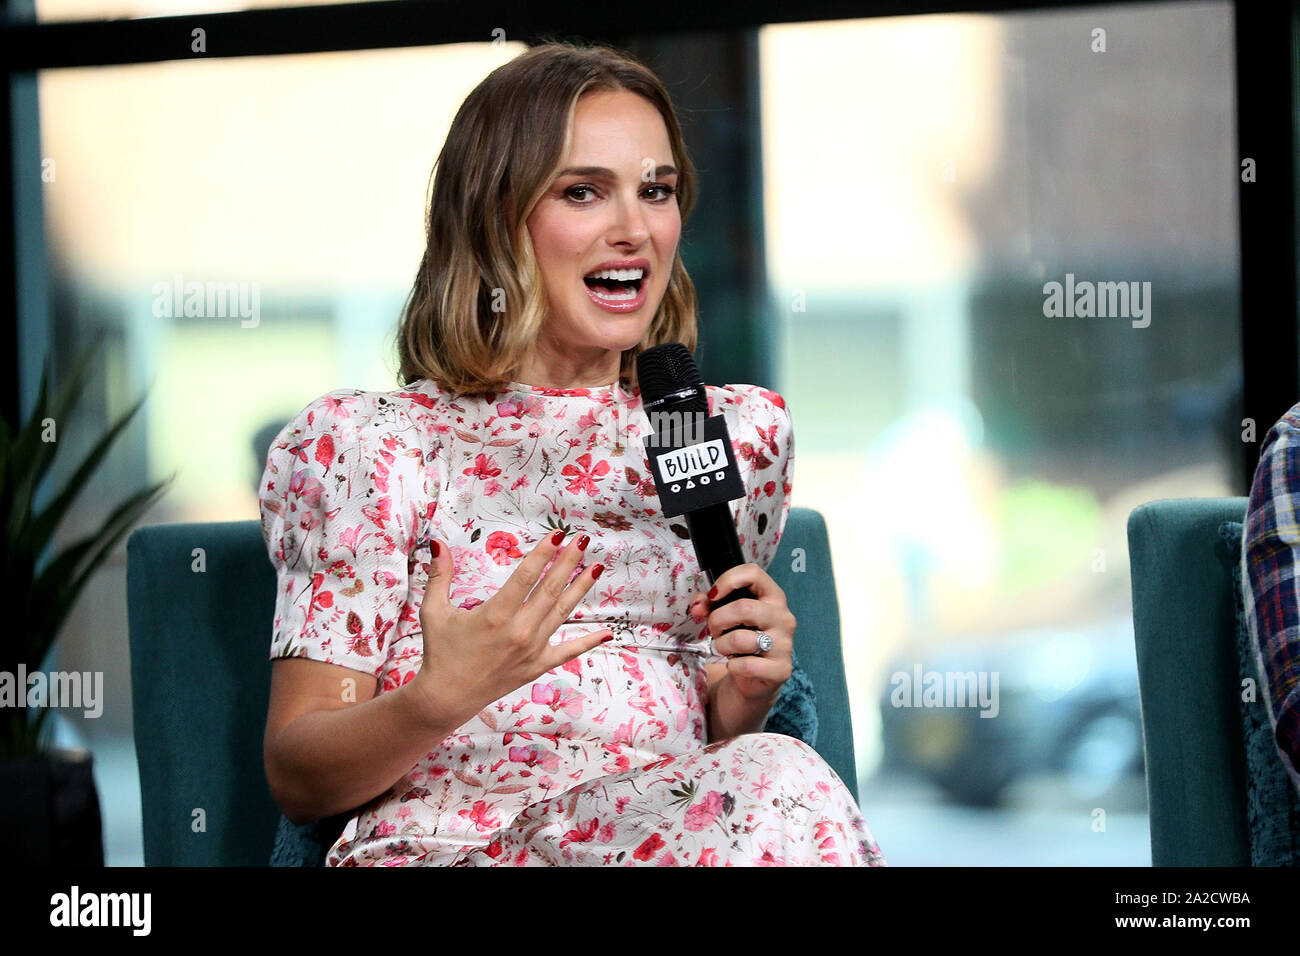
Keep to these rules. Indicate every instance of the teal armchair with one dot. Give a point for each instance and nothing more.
(201, 680)
(1217, 791)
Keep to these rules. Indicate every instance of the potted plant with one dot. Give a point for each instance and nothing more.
(47, 795)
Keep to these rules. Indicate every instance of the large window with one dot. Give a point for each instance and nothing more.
(975, 451)
(974, 441)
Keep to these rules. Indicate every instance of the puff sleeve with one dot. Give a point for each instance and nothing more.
(762, 435)
(343, 505)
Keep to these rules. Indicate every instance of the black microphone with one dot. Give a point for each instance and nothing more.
(677, 405)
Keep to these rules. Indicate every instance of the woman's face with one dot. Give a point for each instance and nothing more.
(614, 199)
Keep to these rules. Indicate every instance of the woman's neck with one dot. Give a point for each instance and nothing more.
(551, 377)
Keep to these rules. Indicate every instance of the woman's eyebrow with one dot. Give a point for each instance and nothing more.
(601, 172)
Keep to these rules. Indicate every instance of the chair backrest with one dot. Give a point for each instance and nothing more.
(1184, 627)
(200, 682)
(802, 569)
(201, 679)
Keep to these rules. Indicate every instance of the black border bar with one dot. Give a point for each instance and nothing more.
(1266, 132)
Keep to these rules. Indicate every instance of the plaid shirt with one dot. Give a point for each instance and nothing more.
(1270, 559)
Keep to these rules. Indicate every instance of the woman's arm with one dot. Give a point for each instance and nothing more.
(332, 745)
(343, 504)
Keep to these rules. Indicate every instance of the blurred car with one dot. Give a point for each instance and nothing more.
(1066, 703)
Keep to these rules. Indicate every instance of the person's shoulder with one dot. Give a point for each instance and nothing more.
(1277, 450)
(1277, 473)
(753, 398)
(352, 412)
(743, 392)
(349, 432)
(759, 418)
(1285, 428)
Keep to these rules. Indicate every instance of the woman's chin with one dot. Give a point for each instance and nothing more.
(620, 331)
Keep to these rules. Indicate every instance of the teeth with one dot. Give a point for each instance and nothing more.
(622, 275)
(627, 296)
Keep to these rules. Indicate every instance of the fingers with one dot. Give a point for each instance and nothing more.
(554, 597)
(511, 596)
(439, 585)
(763, 668)
(743, 641)
(561, 654)
(558, 612)
(747, 612)
(745, 576)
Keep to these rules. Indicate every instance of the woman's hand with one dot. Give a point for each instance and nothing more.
(756, 678)
(472, 658)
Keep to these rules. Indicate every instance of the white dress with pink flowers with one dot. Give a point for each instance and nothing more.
(605, 760)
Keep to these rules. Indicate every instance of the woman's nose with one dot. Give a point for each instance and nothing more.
(630, 222)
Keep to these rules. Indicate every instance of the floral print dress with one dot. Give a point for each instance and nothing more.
(606, 760)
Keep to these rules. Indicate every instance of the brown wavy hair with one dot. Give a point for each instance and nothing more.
(503, 151)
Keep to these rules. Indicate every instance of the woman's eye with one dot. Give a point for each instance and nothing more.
(667, 192)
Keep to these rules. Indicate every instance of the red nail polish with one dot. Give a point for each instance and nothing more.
(437, 549)
(713, 593)
(583, 542)
(597, 571)
(606, 640)
(557, 537)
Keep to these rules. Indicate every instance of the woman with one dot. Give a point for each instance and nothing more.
(487, 637)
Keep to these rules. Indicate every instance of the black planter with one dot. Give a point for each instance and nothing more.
(50, 810)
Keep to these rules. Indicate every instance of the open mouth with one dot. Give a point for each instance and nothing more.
(616, 285)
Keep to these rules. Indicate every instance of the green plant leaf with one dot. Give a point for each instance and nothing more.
(42, 595)
(113, 530)
(56, 588)
(45, 594)
(29, 458)
(36, 535)
(20, 464)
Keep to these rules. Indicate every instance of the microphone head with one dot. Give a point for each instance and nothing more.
(670, 370)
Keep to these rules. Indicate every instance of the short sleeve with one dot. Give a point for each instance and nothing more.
(763, 439)
(343, 503)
